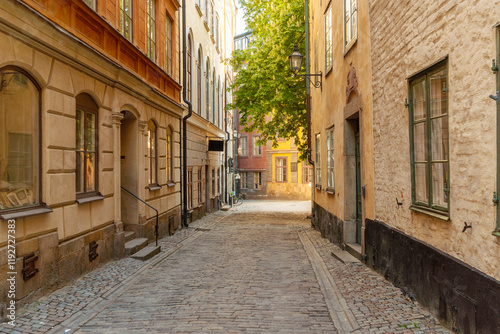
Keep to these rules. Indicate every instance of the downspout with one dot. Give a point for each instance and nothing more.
(308, 89)
(308, 112)
(224, 101)
(185, 118)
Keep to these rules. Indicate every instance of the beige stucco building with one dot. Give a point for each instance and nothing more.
(210, 29)
(91, 111)
(341, 122)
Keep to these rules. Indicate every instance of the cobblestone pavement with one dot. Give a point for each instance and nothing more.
(246, 270)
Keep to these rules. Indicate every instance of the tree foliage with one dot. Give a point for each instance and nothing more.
(271, 100)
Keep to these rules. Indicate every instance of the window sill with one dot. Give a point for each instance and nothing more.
(198, 9)
(318, 186)
(496, 232)
(94, 198)
(217, 49)
(170, 183)
(350, 45)
(432, 213)
(212, 38)
(153, 187)
(206, 25)
(37, 210)
(330, 191)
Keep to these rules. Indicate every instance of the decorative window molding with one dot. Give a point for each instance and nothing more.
(170, 156)
(169, 45)
(330, 174)
(318, 160)
(153, 155)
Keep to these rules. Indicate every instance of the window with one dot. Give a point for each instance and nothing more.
(152, 154)
(330, 175)
(328, 39)
(91, 3)
(429, 139)
(307, 172)
(244, 145)
(169, 45)
(190, 187)
(19, 146)
(151, 29)
(318, 160)
(207, 79)
(351, 22)
(198, 82)
(217, 30)
(212, 18)
(200, 191)
(126, 19)
(189, 68)
(281, 169)
(212, 114)
(213, 182)
(257, 148)
(206, 11)
(169, 156)
(218, 181)
(219, 100)
(86, 146)
(257, 180)
(244, 180)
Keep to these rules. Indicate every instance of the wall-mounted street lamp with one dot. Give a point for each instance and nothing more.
(296, 63)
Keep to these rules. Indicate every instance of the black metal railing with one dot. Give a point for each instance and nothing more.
(156, 226)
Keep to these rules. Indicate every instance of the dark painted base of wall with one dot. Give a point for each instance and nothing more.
(464, 299)
(328, 224)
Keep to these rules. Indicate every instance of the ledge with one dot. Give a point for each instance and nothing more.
(38, 210)
(435, 214)
(496, 232)
(170, 183)
(153, 187)
(318, 186)
(83, 200)
(206, 25)
(330, 191)
(198, 9)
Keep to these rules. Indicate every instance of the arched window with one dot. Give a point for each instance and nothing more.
(86, 147)
(217, 112)
(189, 78)
(152, 153)
(198, 78)
(207, 78)
(20, 185)
(213, 97)
(169, 155)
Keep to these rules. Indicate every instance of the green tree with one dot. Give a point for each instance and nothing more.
(271, 100)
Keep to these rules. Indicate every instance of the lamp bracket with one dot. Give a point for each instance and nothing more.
(317, 83)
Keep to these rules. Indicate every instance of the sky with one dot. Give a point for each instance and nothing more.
(240, 22)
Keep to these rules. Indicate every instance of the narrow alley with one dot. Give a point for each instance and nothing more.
(257, 268)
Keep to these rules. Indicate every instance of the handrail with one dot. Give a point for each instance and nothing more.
(156, 227)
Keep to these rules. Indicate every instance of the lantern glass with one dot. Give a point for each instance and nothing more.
(295, 60)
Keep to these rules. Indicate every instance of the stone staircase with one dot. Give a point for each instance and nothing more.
(133, 244)
(138, 247)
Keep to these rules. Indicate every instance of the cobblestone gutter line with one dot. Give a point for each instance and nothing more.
(340, 313)
(377, 305)
(95, 287)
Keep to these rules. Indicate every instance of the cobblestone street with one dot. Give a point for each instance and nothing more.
(257, 268)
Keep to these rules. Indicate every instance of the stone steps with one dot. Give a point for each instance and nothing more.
(147, 253)
(135, 245)
(129, 236)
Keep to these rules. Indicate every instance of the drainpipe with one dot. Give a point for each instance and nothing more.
(308, 89)
(185, 118)
(228, 138)
(308, 111)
